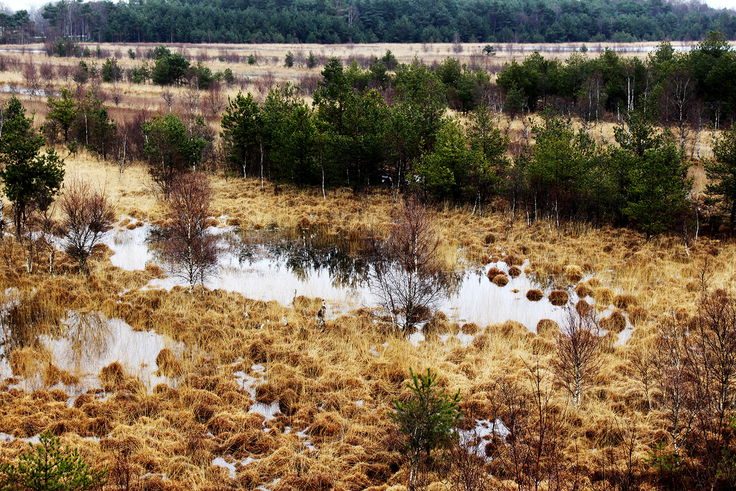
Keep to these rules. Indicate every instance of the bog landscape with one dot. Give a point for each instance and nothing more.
(317, 247)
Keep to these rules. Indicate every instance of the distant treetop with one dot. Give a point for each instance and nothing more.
(370, 21)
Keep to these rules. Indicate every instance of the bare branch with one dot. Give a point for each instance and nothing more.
(87, 214)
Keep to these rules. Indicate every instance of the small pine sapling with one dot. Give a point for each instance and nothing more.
(427, 420)
(49, 467)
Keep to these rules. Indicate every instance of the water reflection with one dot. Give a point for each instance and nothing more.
(281, 264)
(305, 252)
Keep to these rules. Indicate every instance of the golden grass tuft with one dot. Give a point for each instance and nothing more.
(625, 300)
(638, 316)
(514, 271)
(534, 295)
(603, 296)
(500, 280)
(614, 323)
(52, 375)
(28, 362)
(573, 273)
(471, 328)
(558, 298)
(583, 307)
(511, 330)
(168, 365)
(437, 325)
(594, 282)
(112, 376)
(547, 328)
(513, 260)
(583, 290)
(252, 441)
(327, 425)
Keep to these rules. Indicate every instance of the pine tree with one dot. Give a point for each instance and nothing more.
(721, 173)
(30, 179)
(48, 467)
(427, 420)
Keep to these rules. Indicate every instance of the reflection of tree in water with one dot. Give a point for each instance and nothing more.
(303, 252)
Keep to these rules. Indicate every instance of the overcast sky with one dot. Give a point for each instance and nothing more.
(722, 4)
(27, 4)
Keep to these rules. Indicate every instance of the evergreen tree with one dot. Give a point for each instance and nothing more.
(49, 467)
(242, 132)
(657, 182)
(427, 420)
(63, 111)
(30, 178)
(170, 149)
(721, 173)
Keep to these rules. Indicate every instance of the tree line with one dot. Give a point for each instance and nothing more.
(680, 89)
(379, 127)
(371, 21)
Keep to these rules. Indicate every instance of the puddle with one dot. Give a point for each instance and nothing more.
(249, 384)
(129, 246)
(91, 342)
(475, 440)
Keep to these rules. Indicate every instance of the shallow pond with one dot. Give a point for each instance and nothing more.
(89, 342)
(279, 265)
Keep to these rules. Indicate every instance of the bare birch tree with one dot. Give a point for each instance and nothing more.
(190, 251)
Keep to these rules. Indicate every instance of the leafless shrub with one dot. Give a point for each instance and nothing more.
(190, 251)
(121, 147)
(266, 82)
(135, 137)
(64, 72)
(46, 70)
(642, 361)
(531, 449)
(116, 94)
(578, 350)
(80, 75)
(363, 61)
(712, 361)
(406, 274)
(87, 214)
(214, 99)
(468, 468)
(616, 464)
(31, 78)
(15, 64)
(457, 45)
(168, 98)
(672, 379)
(309, 83)
(123, 473)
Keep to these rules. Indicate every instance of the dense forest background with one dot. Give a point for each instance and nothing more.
(370, 21)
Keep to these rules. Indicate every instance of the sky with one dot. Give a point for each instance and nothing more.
(722, 4)
(27, 4)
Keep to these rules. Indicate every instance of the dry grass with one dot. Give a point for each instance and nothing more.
(338, 383)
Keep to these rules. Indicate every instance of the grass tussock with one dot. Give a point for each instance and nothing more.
(558, 298)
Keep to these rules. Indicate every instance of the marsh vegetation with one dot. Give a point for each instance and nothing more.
(248, 315)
